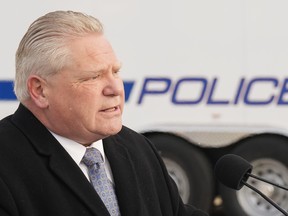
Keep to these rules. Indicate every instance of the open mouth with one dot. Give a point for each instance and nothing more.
(111, 109)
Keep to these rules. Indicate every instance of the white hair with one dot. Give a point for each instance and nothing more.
(43, 50)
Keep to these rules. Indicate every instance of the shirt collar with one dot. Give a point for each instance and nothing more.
(77, 150)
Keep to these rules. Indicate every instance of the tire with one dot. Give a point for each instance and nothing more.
(188, 167)
(268, 155)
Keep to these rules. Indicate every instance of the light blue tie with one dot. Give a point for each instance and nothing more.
(103, 186)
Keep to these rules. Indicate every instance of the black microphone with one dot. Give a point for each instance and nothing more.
(233, 171)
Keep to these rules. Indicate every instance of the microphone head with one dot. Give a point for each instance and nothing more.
(231, 170)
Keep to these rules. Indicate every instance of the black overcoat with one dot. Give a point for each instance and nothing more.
(39, 178)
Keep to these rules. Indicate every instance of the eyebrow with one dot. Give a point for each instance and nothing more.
(101, 68)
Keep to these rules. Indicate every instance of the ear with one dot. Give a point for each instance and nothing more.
(36, 87)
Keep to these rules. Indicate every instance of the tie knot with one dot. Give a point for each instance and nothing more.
(92, 156)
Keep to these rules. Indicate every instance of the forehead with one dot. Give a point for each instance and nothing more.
(91, 50)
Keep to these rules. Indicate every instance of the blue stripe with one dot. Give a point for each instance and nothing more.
(6, 90)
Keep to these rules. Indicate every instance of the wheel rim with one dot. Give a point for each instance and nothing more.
(178, 174)
(252, 203)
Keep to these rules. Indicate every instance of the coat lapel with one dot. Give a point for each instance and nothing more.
(68, 171)
(61, 164)
(125, 178)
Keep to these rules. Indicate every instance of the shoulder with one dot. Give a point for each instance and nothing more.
(7, 128)
(126, 131)
(134, 142)
(129, 135)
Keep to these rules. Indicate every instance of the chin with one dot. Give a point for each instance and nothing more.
(114, 129)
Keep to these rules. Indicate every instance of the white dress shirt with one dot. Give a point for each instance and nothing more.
(77, 151)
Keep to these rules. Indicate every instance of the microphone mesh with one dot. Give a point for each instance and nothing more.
(231, 170)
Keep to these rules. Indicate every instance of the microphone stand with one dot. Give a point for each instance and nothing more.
(269, 182)
(265, 197)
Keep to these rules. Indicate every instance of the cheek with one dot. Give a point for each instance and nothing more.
(69, 101)
(88, 91)
(63, 95)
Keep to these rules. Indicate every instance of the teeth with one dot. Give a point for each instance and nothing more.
(110, 109)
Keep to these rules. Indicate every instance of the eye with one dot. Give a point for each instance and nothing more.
(116, 72)
(87, 79)
(95, 77)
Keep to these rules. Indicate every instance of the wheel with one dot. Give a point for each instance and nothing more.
(188, 167)
(268, 155)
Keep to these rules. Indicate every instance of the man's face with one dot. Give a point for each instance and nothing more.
(86, 98)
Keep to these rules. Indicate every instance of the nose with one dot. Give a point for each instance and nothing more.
(114, 86)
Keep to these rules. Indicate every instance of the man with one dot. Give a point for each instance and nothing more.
(71, 100)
